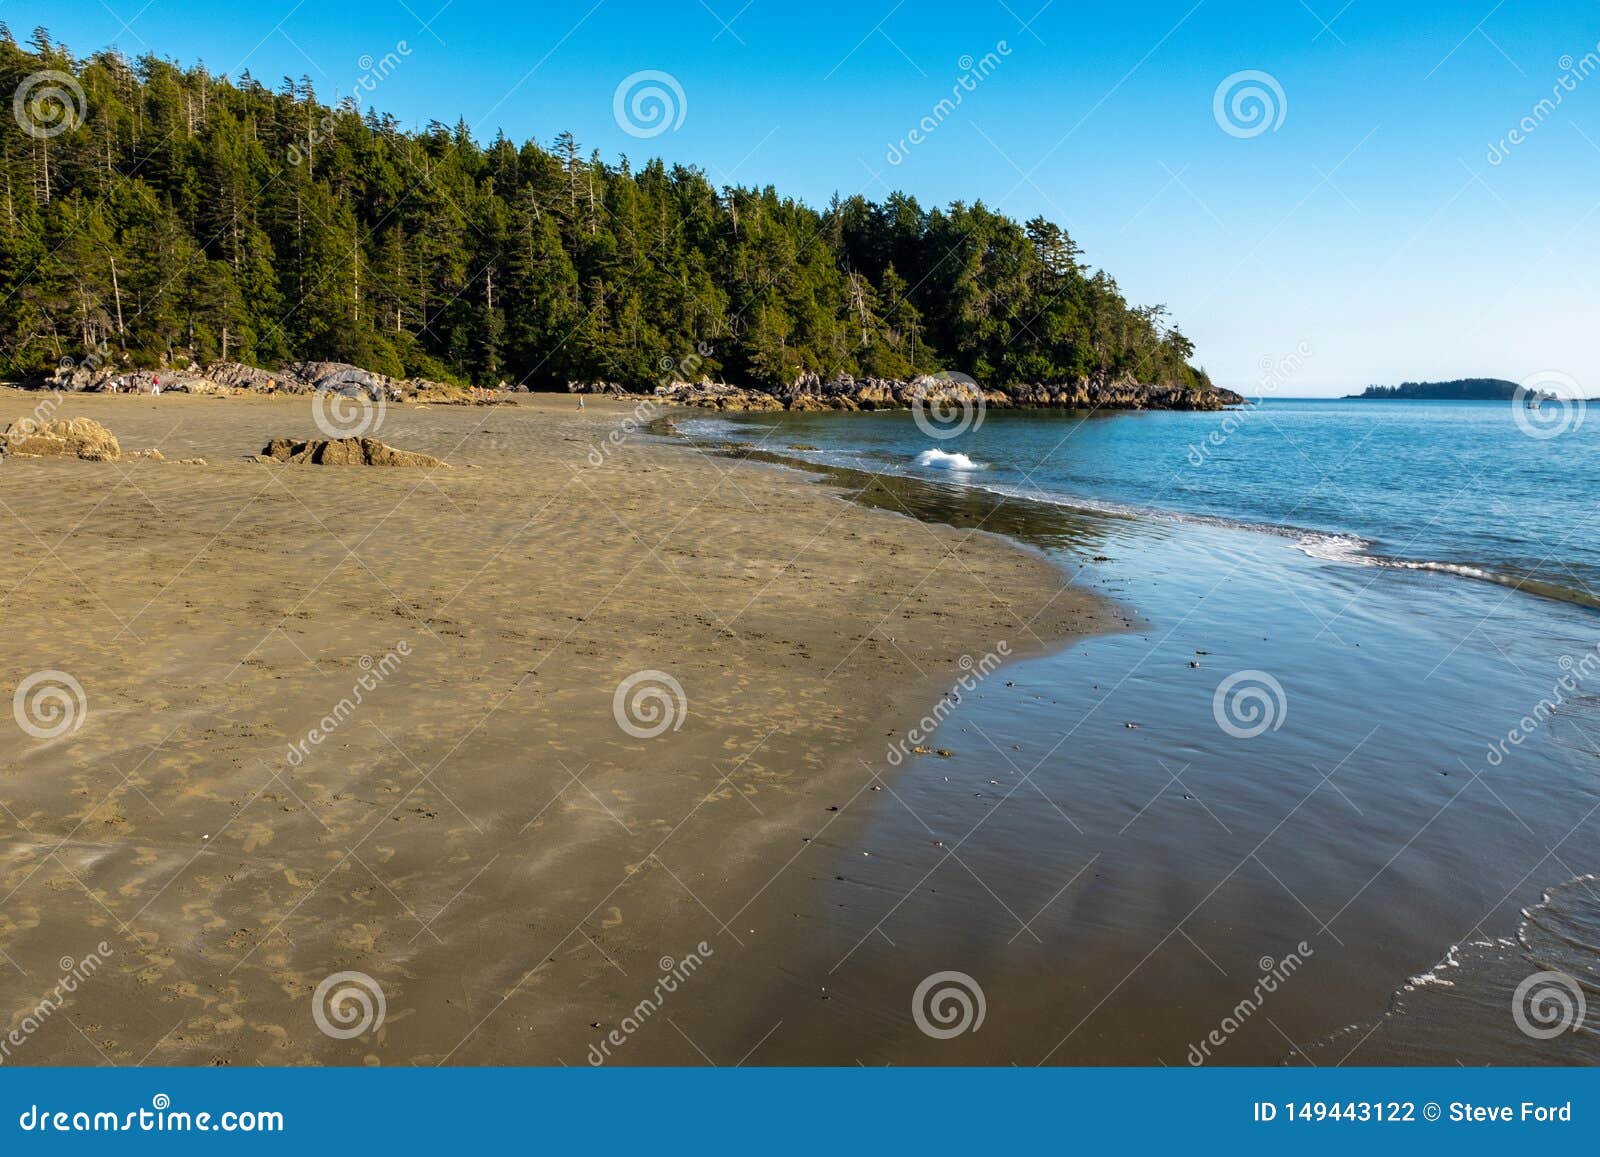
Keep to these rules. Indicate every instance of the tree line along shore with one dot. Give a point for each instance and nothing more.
(159, 216)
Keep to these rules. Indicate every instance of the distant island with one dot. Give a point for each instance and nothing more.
(1459, 390)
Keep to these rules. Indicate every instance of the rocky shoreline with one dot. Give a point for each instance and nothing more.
(226, 378)
(811, 392)
(807, 392)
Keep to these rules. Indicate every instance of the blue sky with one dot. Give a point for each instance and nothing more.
(1367, 236)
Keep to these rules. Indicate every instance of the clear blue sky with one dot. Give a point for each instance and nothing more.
(1369, 227)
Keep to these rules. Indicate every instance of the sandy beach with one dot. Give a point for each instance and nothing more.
(476, 832)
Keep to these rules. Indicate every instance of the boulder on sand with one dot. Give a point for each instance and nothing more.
(345, 452)
(60, 438)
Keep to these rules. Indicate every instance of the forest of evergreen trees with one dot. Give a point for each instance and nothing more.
(192, 216)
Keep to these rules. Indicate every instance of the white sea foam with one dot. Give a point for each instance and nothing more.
(946, 460)
(1347, 548)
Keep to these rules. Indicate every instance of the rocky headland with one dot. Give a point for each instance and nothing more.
(812, 392)
(227, 378)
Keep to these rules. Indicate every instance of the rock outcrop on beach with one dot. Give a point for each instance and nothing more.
(224, 378)
(811, 392)
(345, 452)
(60, 438)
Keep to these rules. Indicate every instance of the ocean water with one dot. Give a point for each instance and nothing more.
(1477, 487)
(1335, 796)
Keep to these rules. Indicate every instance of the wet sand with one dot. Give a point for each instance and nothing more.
(512, 869)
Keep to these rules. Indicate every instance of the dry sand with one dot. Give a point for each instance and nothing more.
(479, 835)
